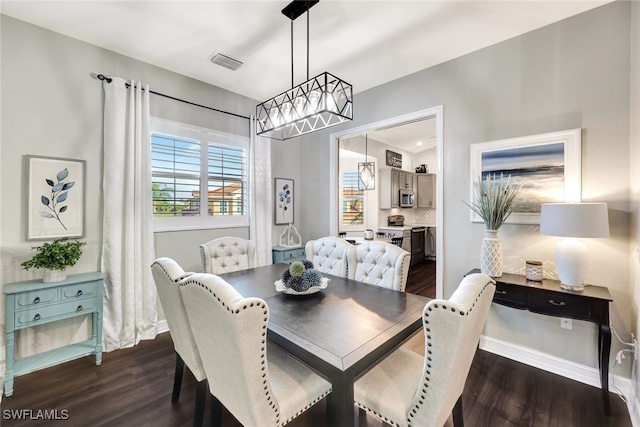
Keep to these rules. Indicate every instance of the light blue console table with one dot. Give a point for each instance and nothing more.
(288, 255)
(33, 302)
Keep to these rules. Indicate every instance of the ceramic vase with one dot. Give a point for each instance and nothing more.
(491, 254)
(51, 276)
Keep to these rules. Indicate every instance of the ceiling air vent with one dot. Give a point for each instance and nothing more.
(226, 61)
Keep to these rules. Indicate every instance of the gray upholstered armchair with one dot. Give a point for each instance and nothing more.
(227, 254)
(328, 254)
(166, 274)
(407, 390)
(259, 384)
(379, 263)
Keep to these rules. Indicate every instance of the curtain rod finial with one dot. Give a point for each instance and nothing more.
(101, 77)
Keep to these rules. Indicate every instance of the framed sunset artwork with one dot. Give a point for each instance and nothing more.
(550, 164)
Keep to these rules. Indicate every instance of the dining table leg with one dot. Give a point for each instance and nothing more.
(340, 407)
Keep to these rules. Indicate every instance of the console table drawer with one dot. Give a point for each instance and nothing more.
(83, 290)
(288, 255)
(510, 295)
(31, 299)
(559, 305)
(37, 315)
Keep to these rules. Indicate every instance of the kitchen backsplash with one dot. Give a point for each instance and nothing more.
(411, 216)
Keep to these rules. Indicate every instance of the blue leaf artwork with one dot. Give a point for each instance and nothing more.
(59, 194)
(284, 199)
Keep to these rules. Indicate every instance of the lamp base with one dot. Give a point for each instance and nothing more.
(572, 288)
(571, 264)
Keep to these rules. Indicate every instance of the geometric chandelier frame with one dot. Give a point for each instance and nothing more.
(321, 102)
(315, 104)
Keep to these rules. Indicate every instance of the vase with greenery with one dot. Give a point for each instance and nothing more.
(54, 258)
(494, 201)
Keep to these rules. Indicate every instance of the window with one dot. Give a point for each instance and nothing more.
(199, 177)
(352, 200)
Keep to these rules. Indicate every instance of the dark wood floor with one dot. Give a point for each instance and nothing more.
(422, 279)
(132, 387)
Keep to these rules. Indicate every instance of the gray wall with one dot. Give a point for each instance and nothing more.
(52, 107)
(572, 74)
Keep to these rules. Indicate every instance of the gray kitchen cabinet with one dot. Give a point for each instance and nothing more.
(390, 181)
(426, 191)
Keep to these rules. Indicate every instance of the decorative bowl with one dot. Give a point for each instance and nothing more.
(280, 287)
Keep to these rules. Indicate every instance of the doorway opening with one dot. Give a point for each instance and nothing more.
(383, 137)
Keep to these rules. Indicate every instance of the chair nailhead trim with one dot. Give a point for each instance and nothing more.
(263, 355)
(427, 378)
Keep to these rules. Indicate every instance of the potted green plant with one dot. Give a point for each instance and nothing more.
(54, 258)
(494, 202)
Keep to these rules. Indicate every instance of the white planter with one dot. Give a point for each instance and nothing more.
(491, 254)
(51, 276)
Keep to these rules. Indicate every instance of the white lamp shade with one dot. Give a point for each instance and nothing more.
(574, 220)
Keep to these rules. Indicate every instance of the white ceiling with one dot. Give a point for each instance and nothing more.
(412, 137)
(366, 43)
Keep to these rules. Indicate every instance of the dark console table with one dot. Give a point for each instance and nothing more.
(547, 297)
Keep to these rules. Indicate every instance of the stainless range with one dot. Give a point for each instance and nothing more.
(413, 238)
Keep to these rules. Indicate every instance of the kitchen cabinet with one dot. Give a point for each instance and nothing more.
(405, 180)
(426, 190)
(390, 183)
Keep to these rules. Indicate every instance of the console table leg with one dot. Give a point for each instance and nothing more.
(604, 344)
(8, 375)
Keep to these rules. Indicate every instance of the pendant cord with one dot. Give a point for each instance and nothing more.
(307, 41)
(292, 53)
(366, 146)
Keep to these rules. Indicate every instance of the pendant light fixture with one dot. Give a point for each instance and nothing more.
(366, 171)
(318, 103)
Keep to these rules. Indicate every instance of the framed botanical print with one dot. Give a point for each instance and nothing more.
(55, 198)
(283, 201)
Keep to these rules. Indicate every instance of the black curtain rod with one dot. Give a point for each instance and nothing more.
(109, 79)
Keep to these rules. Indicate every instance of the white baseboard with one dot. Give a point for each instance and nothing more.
(565, 368)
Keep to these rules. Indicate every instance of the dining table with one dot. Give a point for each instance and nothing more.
(340, 331)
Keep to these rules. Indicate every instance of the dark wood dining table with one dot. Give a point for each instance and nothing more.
(340, 332)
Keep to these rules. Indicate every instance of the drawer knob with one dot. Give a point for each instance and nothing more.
(36, 317)
(79, 308)
(79, 293)
(557, 304)
(36, 300)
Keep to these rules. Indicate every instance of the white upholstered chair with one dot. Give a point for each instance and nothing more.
(259, 384)
(227, 254)
(405, 389)
(379, 263)
(328, 254)
(166, 274)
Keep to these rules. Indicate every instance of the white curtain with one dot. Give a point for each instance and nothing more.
(261, 215)
(130, 310)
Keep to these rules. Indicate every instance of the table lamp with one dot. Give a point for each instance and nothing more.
(573, 221)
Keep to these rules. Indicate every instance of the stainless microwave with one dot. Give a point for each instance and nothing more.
(407, 198)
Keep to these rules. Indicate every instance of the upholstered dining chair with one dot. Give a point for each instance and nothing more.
(259, 384)
(166, 274)
(407, 390)
(227, 254)
(328, 255)
(379, 263)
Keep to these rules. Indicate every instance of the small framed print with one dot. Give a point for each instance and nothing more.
(283, 201)
(55, 197)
